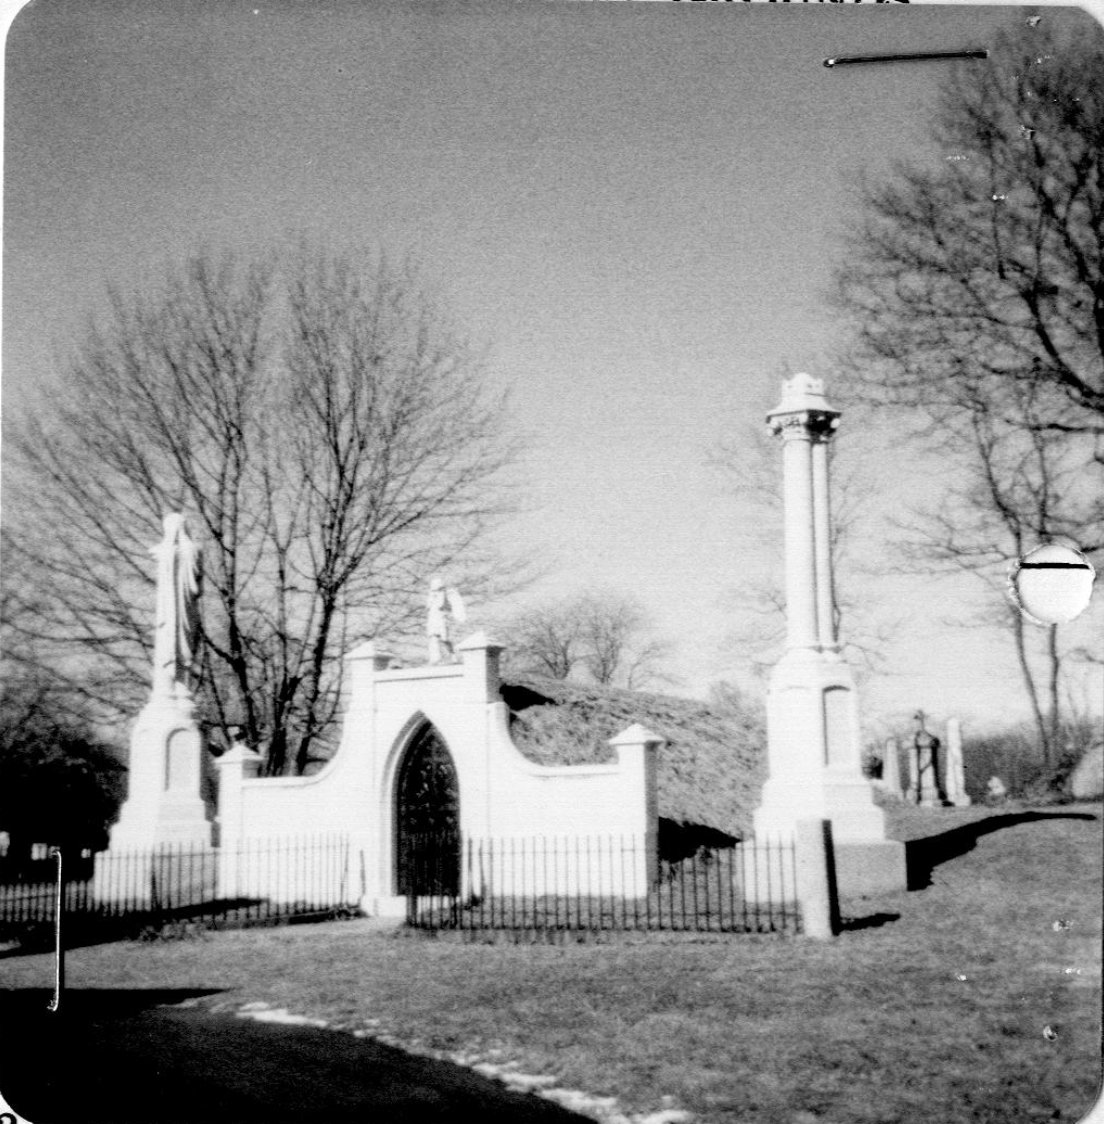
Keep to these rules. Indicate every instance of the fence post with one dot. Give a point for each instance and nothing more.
(817, 896)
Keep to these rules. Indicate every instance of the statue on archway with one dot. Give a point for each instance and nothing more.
(442, 607)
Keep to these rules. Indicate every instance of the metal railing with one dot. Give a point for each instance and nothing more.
(132, 890)
(598, 883)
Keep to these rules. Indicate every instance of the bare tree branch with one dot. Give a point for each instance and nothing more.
(974, 293)
(596, 636)
(332, 439)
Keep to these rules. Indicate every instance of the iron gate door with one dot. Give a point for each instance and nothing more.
(427, 818)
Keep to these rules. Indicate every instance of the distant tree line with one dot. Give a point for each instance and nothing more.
(595, 636)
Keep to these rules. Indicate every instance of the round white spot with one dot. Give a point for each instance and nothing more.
(1052, 584)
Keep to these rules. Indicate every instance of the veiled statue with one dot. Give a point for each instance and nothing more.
(176, 634)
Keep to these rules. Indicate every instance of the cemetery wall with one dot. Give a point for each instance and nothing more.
(502, 794)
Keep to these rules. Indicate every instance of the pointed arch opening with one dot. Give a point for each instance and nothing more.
(427, 818)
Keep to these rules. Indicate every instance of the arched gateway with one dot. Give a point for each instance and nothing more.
(427, 818)
(395, 787)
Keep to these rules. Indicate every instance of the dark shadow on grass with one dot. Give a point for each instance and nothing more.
(137, 1057)
(28, 1006)
(922, 856)
(81, 930)
(872, 921)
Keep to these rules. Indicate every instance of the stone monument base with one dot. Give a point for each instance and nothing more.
(180, 822)
(849, 799)
(166, 804)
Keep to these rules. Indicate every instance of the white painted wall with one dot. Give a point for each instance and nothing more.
(503, 795)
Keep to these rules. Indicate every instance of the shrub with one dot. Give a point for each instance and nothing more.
(1015, 756)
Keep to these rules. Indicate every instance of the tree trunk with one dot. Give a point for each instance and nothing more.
(1054, 667)
(1018, 629)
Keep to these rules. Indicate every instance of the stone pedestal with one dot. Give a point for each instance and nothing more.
(166, 779)
(814, 749)
(161, 846)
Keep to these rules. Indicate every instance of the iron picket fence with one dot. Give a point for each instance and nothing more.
(130, 891)
(598, 883)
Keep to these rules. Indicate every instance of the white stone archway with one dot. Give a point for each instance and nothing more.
(501, 793)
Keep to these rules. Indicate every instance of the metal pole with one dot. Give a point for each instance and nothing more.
(59, 951)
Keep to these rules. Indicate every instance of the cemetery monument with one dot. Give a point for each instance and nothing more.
(813, 744)
(928, 788)
(165, 779)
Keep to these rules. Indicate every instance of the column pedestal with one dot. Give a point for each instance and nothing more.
(165, 826)
(166, 780)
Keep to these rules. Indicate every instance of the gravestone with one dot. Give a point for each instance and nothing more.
(956, 770)
(1087, 780)
(891, 769)
(929, 785)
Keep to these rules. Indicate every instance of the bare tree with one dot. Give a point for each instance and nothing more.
(1022, 484)
(595, 636)
(975, 295)
(332, 441)
(976, 273)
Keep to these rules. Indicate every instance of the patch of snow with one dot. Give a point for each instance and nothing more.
(580, 1102)
(279, 1015)
(603, 1109)
(527, 1082)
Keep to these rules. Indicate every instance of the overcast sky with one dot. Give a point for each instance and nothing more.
(636, 204)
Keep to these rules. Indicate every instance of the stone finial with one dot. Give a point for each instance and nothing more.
(380, 659)
(804, 390)
(480, 657)
(636, 734)
(477, 641)
(240, 756)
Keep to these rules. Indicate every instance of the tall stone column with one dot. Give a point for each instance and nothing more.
(822, 518)
(813, 741)
(800, 533)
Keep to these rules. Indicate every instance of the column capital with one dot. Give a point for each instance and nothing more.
(815, 426)
(803, 414)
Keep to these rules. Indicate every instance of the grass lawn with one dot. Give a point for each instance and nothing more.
(979, 1001)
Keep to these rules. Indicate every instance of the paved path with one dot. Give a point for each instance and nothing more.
(130, 1057)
